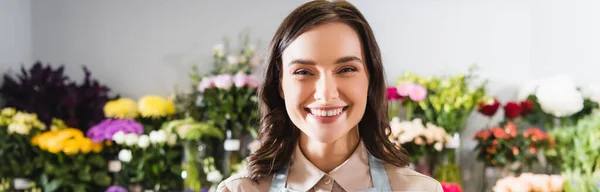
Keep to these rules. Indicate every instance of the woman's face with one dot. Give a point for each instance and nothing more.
(325, 81)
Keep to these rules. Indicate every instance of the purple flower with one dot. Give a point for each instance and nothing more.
(116, 189)
(240, 80)
(108, 127)
(206, 83)
(205, 189)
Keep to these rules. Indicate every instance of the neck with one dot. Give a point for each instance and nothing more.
(328, 156)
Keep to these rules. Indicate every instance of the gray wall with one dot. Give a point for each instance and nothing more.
(147, 47)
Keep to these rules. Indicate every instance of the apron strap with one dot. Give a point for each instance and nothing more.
(378, 175)
(279, 179)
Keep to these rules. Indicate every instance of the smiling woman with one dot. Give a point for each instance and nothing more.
(324, 119)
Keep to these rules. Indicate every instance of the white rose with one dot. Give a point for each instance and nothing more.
(214, 176)
(143, 141)
(159, 136)
(19, 128)
(593, 92)
(125, 155)
(527, 89)
(559, 96)
(172, 139)
(131, 139)
(119, 137)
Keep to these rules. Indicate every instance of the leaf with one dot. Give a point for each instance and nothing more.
(97, 161)
(84, 174)
(53, 185)
(101, 179)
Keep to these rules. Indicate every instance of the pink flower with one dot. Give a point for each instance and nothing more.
(392, 94)
(404, 89)
(206, 83)
(416, 92)
(451, 187)
(224, 81)
(240, 80)
(253, 81)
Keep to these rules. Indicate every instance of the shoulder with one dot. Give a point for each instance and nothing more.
(406, 179)
(242, 182)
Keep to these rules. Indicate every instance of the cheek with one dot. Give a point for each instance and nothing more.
(294, 92)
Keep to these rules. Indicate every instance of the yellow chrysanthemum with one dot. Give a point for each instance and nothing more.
(53, 145)
(71, 146)
(35, 141)
(123, 108)
(70, 133)
(86, 145)
(155, 106)
(21, 117)
(9, 112)
(97, 147)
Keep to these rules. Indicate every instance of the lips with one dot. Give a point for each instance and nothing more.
(326, 115)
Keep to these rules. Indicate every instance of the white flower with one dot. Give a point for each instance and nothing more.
(214, 176)
(8, 111)
(232, 60)
(119, 137)
(527, 89)
(438, 146)
(159, 136)
(19, 128)
(131, 139)
(559, 96)
(172, 140)
(125, 155)
(219, 50)
(395, 126)
(21, 117)
(593, 92)
(419, 141)
(143, 141)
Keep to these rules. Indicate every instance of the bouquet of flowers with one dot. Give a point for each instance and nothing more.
(71, 161)
(507, 148)
(446, 102)
(19, 159)
(423, 142)
(557, 100)
(528, 182)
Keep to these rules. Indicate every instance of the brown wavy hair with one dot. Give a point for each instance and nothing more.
(278, 135)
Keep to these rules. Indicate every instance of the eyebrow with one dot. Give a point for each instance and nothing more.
(338, 61)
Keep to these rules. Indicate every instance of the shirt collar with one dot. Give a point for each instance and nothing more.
(352, 175)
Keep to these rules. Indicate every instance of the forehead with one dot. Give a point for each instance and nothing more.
(325, 43)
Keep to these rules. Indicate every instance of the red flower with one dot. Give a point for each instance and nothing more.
(488, 108)
(512, 110)
(526, 107)
(451, 187)
(515, 150)
(392, 94)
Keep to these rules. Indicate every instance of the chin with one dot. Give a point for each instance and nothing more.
(325, 136)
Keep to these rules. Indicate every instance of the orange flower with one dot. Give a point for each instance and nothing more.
(97, 147)
(511, 129)
(515, 150)
(498, 132)
(532, 149)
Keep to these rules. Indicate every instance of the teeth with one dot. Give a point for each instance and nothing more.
(325, 113)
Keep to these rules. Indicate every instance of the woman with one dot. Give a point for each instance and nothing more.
(324, 111)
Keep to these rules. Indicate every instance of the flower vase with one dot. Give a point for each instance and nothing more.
(232, 156)
(448, 169)
(193, 173)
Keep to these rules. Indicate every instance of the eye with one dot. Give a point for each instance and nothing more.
(347, 69)
(301, 72)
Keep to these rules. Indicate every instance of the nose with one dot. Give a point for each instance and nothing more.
(326, 89)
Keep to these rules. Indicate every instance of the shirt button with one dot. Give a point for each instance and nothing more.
(327, 180)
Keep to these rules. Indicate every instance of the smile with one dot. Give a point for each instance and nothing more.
(326, 114)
